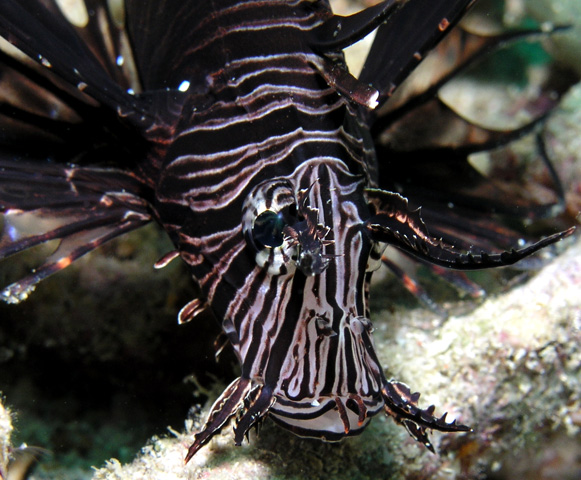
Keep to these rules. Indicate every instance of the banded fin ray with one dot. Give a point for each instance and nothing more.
(455, 53)
(47, 37)
(160, 33)
(404, 38)
(65, 108)
(416, 127)
(339, 32)
(395, 224)
(64, 204)
(419, 136)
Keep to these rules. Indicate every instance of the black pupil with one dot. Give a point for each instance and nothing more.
(267, 230)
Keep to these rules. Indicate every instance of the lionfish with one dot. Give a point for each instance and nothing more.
(237, 126)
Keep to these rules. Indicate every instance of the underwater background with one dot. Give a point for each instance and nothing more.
(95, 371)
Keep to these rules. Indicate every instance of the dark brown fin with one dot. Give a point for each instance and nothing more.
(161, 36)
(103, 31)
(63, 111)
(81, 207)
(405, 271)
(191, 310)
(423, 147)
(49, 111)
(404, 39)
(459, 280)
(46, 36)
(42, 117)
(339, 32)
(466, 208)
(418, 136)
(230, 402)
(459, 50)
(393, 223)
(256, 405)
(338, 77)
(402, 406)
(94, 57)
(446, 132)
(157, 31)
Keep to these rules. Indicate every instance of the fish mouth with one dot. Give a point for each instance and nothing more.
(330, 418)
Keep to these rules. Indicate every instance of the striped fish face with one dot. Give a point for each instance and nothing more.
(289, 284)
(282, 260)
(306, 336)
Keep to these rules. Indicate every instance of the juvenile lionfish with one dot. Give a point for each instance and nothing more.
(237, 126)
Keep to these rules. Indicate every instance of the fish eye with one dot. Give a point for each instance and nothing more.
(266, 212)
(267, 230)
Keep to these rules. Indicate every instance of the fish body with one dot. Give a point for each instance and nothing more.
(280, 142)
(241, 131)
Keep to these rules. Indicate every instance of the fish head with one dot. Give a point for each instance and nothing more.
(307, 337)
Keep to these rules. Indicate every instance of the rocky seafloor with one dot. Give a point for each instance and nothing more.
(94, 368)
